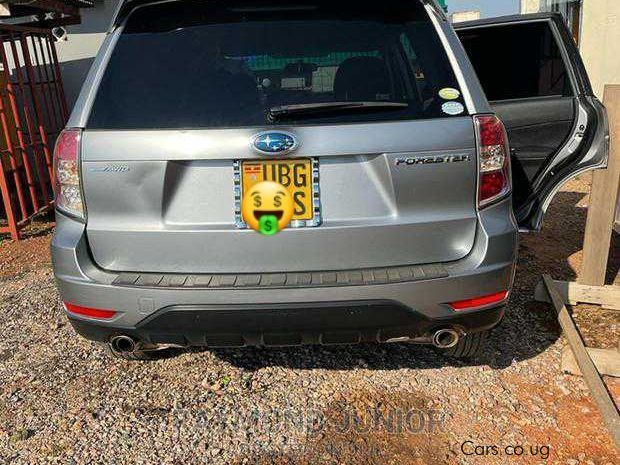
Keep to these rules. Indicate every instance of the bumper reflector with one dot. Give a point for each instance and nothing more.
(481, 301)
(90, 312)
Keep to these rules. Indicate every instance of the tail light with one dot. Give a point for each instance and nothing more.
(493, 158)
(67, 180)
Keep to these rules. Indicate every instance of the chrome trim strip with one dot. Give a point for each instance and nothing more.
(239, 223)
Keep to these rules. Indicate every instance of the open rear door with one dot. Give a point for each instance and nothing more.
(535, 80)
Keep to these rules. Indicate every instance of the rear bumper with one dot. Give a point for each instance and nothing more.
(239, 310)
(289, 324)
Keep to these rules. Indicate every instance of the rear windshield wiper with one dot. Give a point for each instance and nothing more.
(283, 111)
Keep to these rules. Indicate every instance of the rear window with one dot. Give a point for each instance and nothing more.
(195, 64)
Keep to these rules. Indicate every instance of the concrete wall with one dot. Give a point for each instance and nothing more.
(487, 8)
(76, 54)
(530, 6)
(600, 42)
(461, 16)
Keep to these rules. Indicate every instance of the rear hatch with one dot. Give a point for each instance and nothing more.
(185, 88)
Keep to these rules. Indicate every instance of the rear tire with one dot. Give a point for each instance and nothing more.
(469, 346)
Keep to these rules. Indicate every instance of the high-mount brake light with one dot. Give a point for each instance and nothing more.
(67, 179)
(494, 180)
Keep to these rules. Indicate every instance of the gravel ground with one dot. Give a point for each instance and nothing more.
(62, 400)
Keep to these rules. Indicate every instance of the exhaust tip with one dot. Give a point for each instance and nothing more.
(445, 338)
(123, 344)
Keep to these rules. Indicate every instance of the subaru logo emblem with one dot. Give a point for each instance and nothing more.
(271, 142)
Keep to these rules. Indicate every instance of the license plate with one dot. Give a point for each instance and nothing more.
(299, 176)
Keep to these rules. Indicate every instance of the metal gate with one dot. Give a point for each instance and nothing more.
(33, 111)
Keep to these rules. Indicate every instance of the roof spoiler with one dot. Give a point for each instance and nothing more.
(122, 10)
(124, 7)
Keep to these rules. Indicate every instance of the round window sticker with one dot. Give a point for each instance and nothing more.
(449, 93)
(453, 108)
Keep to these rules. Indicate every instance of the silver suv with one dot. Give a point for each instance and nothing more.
(391, 132)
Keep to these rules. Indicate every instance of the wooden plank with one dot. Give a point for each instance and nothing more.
(607, 361)
(602, 208)
(574, 293)
(605, 403)
(617, 216)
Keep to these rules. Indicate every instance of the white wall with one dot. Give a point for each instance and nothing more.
(600, 42)
(487, 8)
(530, 6)
(461, 16)
(76, 54)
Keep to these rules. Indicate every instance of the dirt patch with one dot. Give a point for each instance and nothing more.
(557, 249)
(375, 428)
(400, 427)
(579, 431)
(30, 253)
(599, 328)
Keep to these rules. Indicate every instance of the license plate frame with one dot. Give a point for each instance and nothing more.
(316, 219)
